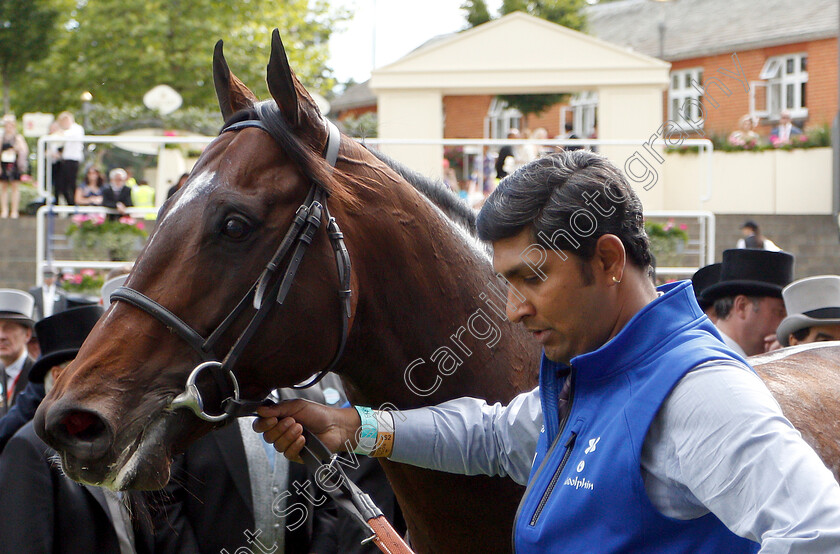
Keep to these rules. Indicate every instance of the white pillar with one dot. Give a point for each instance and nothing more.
(412, 114)
(634, 112)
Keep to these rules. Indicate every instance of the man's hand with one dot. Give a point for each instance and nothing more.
(282, 425)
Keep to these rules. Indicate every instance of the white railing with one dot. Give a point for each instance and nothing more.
(43, 255)
(44, 181)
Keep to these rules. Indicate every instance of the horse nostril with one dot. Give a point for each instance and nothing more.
(83, 425)
(82, 433)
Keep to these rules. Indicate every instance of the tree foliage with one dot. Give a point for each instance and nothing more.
(25, 26)
(119, 49)
(568, 13)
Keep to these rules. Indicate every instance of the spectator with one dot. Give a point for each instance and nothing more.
(752, 238)
(177, 186)
(72, 154)
(782, 133)
(14, 165)
(570, 134)
(702, 279)
(41, 510)
(16, 310)
(115, 194)
(89, 193)
(50, 298)
(748, 298)
(507, 160)
(745, 135)
(813, 308)
(228, 485)
(143, 196)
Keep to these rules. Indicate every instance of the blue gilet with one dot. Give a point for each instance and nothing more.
(586, 492)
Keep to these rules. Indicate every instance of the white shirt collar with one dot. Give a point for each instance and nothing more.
(13, 369)
(730, 342)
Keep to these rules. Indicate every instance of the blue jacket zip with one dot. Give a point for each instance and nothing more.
(566, 456)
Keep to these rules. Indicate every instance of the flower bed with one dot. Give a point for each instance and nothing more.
(95, 235)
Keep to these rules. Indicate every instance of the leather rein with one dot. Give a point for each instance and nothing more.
(272, 286)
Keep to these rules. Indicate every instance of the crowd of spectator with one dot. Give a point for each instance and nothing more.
(782, 134)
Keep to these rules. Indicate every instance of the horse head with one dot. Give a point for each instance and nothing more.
(246, 243)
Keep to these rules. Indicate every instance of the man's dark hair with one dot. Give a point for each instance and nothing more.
(569, 200)
(801, 334)
(723, 306)
(750, 224)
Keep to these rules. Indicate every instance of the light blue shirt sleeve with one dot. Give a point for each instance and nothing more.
(470, 437)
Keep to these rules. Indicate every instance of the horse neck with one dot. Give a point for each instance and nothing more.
(423, 289)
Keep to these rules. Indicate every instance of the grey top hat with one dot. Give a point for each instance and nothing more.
(18, 306)
(810, 301)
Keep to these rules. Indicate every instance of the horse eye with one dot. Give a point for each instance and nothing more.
(236, 228)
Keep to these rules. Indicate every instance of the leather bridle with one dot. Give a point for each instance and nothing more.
(271, 285)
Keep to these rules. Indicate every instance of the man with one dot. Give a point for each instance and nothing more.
(41, 510)
(16, 310)
(72, 154)
(507, 158)
(646, 434)
(813, 308)
(751, 237)
(116, 194)
(748, 298)
(50, 298)
(784, 131)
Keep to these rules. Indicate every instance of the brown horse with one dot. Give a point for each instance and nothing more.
(425, 325)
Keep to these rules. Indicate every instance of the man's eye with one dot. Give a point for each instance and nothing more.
(531, 279)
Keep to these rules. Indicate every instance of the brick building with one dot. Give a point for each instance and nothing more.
(787, 50)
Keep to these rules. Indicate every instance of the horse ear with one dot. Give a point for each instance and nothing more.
(232, 93)
(281, 83)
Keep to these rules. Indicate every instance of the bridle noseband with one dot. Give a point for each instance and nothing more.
(270, 287)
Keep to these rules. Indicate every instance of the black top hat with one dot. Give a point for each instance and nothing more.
(60, 336)
(753, 273)
(702, 279)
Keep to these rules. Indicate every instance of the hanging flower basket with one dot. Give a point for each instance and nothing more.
(667, 242)
(95, 237)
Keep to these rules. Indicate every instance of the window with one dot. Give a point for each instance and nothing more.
(500, 119)
(785, 79)
(686, 116)
(584, 113)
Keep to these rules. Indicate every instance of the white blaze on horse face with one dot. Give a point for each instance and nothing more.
(203, 184)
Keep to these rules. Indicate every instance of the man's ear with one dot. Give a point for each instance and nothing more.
(740, 304)
(611, 257)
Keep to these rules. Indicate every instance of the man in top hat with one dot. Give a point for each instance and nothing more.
(702, 279)
(748, 298)
(813, 307)
(41, 510)
(16, 309)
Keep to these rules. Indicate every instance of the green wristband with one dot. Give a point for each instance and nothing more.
(368, 431)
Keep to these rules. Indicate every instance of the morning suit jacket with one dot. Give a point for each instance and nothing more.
(20, 384)
(44, 512)
(207, 505)
(59, 301)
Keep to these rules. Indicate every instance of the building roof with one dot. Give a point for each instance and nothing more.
(695, 28)
(355, 96)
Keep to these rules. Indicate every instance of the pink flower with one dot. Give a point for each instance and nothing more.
(99, 219)
(127, 219)
(169, 133)
(77, 279)
(89, 272)
(683, 227)
(78, 219)
(140, 225)
(803, 138)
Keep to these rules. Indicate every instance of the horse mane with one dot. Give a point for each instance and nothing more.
(312, 167)
(435, 190)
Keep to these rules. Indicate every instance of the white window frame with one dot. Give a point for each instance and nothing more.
(783, 87)
(685, 90)
(584, 108)
(500, 119)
